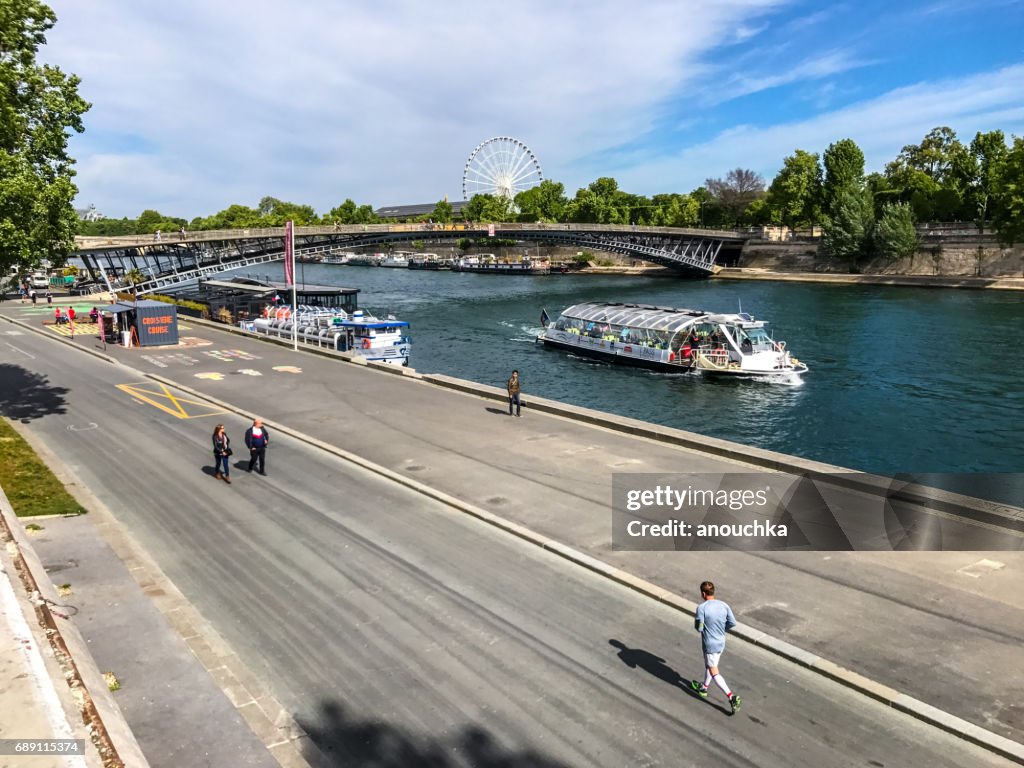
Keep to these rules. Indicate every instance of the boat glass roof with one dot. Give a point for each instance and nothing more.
(635, 315)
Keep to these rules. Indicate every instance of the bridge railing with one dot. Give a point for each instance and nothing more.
(99, 243)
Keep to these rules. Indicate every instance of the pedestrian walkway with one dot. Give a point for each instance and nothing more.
(32, 690)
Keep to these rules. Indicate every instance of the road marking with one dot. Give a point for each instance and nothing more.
(287, 369)
(212, 376)
(249, 372)
(166, 401)
(18, 349)
(980, 568)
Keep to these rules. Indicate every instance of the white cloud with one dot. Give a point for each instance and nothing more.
(383, 103)
(881, 126)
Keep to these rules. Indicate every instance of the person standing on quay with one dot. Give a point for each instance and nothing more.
(221, 452)
(257, 438)
(514, 387)
(713, 619)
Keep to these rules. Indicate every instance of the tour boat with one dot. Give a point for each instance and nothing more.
(397, 259)
(489, 264)
(672, 340)
(362, 334)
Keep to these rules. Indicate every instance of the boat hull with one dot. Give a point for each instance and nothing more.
(613, 354)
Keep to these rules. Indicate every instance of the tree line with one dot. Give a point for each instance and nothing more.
(862, 215)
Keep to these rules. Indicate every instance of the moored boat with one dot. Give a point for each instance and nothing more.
(360, 333)
(672, 340)
(489, 264)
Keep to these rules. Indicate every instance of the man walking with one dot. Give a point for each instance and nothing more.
(513, 392)
(256, 440)
(713, 619)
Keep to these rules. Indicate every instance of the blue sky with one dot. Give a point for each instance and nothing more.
(205, 104)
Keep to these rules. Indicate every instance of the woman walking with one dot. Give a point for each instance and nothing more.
(221, 452)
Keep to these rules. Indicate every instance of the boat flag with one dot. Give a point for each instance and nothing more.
(544, 319)
(289, 253)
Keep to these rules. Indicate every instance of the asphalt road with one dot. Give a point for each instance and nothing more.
(401, 633)
(938, 626)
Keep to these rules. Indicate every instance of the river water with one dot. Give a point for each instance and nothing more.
(901, 379)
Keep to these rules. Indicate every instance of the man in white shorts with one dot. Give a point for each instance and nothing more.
(713, 619)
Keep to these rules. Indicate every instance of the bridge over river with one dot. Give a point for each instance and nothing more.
(176, 259)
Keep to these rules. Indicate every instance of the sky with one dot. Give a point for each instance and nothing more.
(198, 105)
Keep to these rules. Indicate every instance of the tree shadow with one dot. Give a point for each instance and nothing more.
(348, 742)
(637, 658)
(25, 395)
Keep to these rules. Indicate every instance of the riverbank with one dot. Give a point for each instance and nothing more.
(923, 281)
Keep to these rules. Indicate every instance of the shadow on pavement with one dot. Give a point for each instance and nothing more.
(25, 395)
(637, 658)
(352, 743)
(499, 411)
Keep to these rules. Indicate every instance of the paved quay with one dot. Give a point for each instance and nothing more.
(553, 475)
(400, 631)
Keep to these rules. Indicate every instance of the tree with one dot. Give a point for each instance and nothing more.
(442, 212)
(849, 224)
(39, 106)
(488, 208)
(545, 202)
(794, 197)
(988, 152)
(895, 235)
(148, 221)
(1008, 216)
(738, 190)
(938, 155)
(844, 169)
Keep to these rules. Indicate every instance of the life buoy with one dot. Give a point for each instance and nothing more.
(671, 357)
(366, 343)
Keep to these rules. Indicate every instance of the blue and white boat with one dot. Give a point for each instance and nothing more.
(359, 333)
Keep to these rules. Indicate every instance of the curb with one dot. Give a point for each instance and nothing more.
(879, 692)
(110, 732)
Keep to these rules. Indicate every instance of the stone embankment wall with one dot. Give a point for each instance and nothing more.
(953, 255)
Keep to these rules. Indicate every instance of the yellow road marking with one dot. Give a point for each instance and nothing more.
(164, 399)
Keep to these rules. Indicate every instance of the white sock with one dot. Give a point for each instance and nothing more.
(707, 678)
(720, 682)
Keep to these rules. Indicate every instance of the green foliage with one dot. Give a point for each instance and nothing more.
(895, 235)
(40, 106)
(442, 212)
(844, 168)
(350, 213)
(545, 202)
(464, 244)
(488, 208)
(134, 276)
(1008, 216)
(795, 195)
(988, 153)
(849, 224)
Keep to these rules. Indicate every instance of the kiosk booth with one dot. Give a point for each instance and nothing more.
(145, 323)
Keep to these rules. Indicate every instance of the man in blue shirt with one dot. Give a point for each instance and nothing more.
(713, 619)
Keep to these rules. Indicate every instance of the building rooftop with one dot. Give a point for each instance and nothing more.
(414, 211)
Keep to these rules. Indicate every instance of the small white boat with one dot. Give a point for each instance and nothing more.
(396, 260)
(360, 333)
(672, 340)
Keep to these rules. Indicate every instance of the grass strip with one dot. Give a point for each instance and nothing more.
(29, 484)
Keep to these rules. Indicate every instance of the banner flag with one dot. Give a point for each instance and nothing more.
(289, 253)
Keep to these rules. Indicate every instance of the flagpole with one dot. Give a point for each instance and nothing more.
(290, 254)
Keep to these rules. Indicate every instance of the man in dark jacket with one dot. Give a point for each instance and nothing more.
(256, 440)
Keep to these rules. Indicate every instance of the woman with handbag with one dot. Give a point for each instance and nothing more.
(221, 452)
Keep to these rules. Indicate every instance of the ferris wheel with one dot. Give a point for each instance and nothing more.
(500, 166)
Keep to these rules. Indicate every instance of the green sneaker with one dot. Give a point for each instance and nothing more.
(735, 702)
(699, 689)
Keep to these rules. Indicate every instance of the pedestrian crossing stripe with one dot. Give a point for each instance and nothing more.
(160, 396)
(81, 329)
